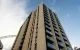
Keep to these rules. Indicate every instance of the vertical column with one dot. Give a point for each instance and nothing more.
(20, 36)
(41, 41)
(64, 48)
(26, 44)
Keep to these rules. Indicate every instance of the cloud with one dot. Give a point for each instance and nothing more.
(12, 15)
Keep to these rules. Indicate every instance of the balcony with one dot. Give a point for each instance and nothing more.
(55, 30)
(50, 46)
(55, 26)
(48, 26)
(66, 42)
(57, 34)
(50, 38)
(60, 44)
(46, 17)
(60, 27)
(59, 24)
(68, 48)
(59, 38)
(62, 31)
(46, 21)
(52, 20)
(53, 23)
(48, 29)
(49, 32)
(65, 38)
(63, 34)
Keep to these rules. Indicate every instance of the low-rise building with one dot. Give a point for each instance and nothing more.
(1, 46)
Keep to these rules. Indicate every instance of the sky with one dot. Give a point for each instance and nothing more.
(14, 12)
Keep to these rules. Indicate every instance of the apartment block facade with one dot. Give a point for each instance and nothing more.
(42, 30)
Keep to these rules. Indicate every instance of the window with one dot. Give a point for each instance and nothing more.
(55, 30)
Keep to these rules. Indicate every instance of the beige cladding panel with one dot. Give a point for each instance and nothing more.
(33, 38)
(34, 33)
(41, 41)
(21, 32)
(26, 41)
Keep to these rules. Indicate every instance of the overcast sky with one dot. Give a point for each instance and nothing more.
(14, 12)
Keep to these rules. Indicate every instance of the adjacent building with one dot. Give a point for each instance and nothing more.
(78, 49)
(42, 30)
(1, 46)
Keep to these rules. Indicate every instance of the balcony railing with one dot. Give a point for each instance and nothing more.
(57, 34)
(58, 38)
(50, 38)
(46, 21)
(55, 30)
(49, 32)
(68, 48)
(48, 29)
(48, 26)
(63, 34)
(60, 44)
(66, 42)
(51, 46)
(65, 38)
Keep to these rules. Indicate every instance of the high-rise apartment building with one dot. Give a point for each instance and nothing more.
(1, 46)
(42, 30)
